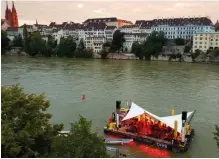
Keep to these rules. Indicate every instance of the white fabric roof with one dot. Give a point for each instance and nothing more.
(136, 110)
(169, 120)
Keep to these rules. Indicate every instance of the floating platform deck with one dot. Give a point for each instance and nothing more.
(170, 145)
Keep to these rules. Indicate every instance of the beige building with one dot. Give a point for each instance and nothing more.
(95, 43)
(205, 40)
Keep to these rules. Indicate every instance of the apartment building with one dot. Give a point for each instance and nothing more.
(177, 27)
(95, 43)
(205, 40)
(130, 38)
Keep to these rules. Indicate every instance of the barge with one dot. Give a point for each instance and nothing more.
(171, 132)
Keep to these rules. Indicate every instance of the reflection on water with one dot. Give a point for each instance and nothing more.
(155, 86)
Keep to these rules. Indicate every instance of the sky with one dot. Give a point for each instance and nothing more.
(78, 11)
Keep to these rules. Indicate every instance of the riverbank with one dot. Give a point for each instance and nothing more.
(129, 56)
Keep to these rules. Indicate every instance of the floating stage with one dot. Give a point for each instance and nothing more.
(144, 127)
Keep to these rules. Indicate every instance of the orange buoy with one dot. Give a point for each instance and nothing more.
(83, 97)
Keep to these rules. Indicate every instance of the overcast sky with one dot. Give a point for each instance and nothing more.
(78, 11)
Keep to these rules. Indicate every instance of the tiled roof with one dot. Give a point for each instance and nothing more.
(111, 27)
(99, 26)
(217, 26)
(73, 26)
(125, 21)
(129, 26)
(96, 20)
(175, 22)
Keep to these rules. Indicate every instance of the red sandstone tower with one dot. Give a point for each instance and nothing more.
(11, 15)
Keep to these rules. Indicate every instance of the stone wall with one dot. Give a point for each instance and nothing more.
(16, 51)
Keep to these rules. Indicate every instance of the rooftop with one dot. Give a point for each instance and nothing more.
(175, 22)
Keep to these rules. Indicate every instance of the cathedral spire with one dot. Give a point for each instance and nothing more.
(36, 22)
(6, 5)
(13, 4)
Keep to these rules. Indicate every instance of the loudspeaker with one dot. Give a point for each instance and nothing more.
(184, 115)
(118, 104)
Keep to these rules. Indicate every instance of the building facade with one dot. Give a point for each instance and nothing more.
(205, 40)
(177, 27)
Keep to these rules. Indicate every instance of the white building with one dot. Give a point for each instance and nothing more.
(95, 43)
(177, 27)
(130, 38)
(205, 41)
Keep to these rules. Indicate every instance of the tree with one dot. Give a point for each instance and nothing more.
(80, 143)
(4, 41)
(118, 40)
(216, 135)
(18, 41)
(151, 47)
(187, 48)
(82, 52)
(195, 54)
(105, 51)
(25, 127)
(38, 45)
(180, 41)
(51, 43)
(66, 47)
(27, 48)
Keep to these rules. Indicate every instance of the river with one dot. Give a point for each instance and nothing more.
(157, 86)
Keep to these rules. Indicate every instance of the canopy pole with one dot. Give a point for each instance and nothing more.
(173, 112)
(191, 117)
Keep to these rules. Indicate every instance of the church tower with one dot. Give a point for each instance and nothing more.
(11, 15)
(14, 16)
(8, 14)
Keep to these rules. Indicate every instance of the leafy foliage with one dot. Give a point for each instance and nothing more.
(195, 54)
(82, 52)
(118, 40)
(105, 51)
(27, 48)
(187, 48)
(151, 47)
(180, 41)
(4, 41)
(26, 131)
(18, 41)
(38, 45)
(216, 135)
(80, 143)
(66, 47)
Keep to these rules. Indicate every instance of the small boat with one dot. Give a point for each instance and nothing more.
(118, 141)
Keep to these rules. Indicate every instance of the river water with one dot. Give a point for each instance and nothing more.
(156, 86)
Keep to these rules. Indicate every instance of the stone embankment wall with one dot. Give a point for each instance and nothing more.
(16, 52)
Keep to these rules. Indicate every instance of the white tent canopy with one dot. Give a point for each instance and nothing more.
(169, 120)
(136, 110)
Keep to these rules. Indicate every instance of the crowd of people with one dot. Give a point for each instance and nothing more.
(144, 125)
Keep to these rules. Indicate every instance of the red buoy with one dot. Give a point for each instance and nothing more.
(83, 97)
